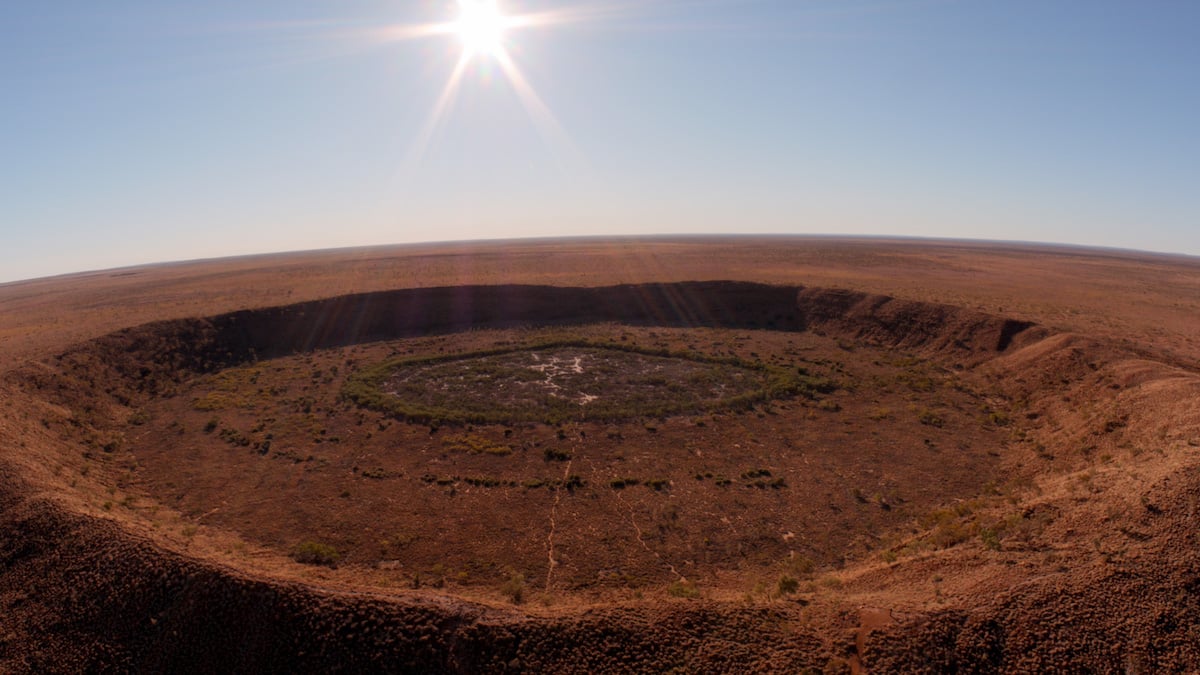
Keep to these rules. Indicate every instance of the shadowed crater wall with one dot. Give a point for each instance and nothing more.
(147, 354)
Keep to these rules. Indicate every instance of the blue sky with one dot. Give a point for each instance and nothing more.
(134, 131)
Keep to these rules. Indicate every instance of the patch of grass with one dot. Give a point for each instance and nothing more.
(996, 418)
(799, 565)
(931, 418)
(475, 445)
(683, 589)
(218, 400)
(952, 525)
(879, 414)
(915, 376)
(831, 582)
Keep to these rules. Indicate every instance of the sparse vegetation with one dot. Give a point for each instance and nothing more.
(683, 589)
(234, 437)
(931, 418)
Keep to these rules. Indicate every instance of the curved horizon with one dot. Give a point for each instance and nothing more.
(694, 237)
(141, 132)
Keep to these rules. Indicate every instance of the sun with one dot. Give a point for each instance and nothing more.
(480, 27)
(484, 31)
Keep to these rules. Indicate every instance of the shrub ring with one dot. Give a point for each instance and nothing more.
(570, 380)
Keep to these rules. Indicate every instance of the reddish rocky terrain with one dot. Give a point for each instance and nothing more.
(987, 460)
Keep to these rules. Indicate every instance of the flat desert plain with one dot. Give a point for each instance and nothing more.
(641, 455)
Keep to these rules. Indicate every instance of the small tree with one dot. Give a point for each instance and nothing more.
(514, 588)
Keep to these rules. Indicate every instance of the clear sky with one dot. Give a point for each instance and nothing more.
(136, 131)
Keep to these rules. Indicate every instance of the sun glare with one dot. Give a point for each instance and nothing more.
(485, 31)
(480, 27)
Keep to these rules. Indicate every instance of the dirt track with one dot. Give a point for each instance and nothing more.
(1109, 583)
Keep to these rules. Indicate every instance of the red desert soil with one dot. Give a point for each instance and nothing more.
(868, 456)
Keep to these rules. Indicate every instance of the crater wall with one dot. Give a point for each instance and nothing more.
(112, 600)
(148, 354)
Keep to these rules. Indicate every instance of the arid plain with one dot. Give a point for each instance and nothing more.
(692, 454)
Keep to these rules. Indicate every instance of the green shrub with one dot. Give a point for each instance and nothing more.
(787, 585)
(315, 553)
(990, 538)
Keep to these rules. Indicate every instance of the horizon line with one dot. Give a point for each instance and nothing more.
(598, 238)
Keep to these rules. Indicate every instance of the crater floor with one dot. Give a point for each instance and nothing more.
(728, 500)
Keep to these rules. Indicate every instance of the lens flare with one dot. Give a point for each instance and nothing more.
(481, 27)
